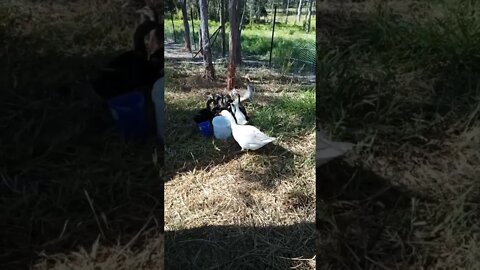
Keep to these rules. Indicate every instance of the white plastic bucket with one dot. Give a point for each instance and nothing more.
(158, 98)
(221, 127)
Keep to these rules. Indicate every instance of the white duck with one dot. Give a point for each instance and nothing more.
(239, 111)
(248, 94)
(248, 137)
(327, 150)
(245, 94)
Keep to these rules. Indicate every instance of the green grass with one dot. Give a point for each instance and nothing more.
(288, 115)
(441, 51)
(402, 81)
(293, 49)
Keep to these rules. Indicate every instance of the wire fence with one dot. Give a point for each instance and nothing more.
(285, 46)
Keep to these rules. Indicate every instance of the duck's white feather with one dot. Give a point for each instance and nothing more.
(247, 136)
(327, 150)
(246, 94)
(241, 118)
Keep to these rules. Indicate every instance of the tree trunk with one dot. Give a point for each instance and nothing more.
(306, 14)
(299, 11)
(309, 18)
(200, 41)
(207, 53)
(199, 32)
(186, 36)
(238, 51)
(286, 15)
(240, 25)
(222, 23)
(251, 11)
(233, 44)
(257, 11)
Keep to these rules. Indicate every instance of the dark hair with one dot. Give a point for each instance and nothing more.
(142, 30)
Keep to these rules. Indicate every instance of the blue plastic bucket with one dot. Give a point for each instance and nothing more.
(205, 128)
(128, 111)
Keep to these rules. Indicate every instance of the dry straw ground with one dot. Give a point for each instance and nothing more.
(230, 210)
(72, 194)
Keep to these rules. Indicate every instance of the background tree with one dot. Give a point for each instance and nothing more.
(259, 9)
(243, 3)
(169, 5)
(299, 11)
(222, 24)
(207, 53)
(286, 11)
(186, 37)
(233, 44)
(309, 17)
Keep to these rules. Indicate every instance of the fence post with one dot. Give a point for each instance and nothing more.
(173, 26)
(193, 28)
(273, 33)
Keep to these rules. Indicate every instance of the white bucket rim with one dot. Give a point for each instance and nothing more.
(224, 122)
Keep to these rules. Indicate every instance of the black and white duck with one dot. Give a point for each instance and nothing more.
(239, 111)
(207, 113)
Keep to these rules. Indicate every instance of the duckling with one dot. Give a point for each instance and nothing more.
(227, 99)
(221, 101)
(210, 101)
(229, 103)
(215, 104)
(205, 114)
(248, 137)
(327, 150)
(239, 111)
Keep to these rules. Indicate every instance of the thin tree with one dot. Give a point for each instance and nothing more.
(233, 44)
(240, 9)
(250, 12)
(242, 18)
(207, 53)
(199, 32)
(222, 24)
(186, 37)
(309, 17)
(257, 10)
(286, 15)
(299, 11)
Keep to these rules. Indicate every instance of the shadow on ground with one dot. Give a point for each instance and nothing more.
(357, 213)
(239, 247)
(187, 150)
(190, 151)
(66, 176)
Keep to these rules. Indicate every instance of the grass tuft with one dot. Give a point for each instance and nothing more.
(400, 79)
